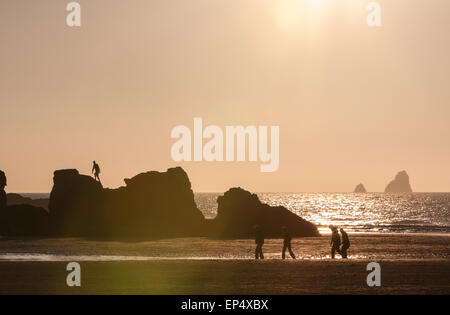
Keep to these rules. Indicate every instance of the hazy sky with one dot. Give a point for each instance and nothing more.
(354, 104)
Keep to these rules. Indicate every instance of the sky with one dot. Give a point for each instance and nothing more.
(354, 104)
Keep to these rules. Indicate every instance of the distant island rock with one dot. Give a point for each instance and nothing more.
(360, 189)
(239, 211)
(16, 199)
(400, 184)
(21, 219)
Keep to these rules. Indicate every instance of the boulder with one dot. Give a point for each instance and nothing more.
(152, 204)
(239, 211)
(24, 220)
(400, 184)
(360, 189)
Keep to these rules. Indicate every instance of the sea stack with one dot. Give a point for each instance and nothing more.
(360, 189)
(20, 219)
(400, 184)
(151, 205)
(2, 191)
(239, 211)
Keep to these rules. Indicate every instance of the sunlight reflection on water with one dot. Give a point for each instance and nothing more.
(371, 212)
(26, 257)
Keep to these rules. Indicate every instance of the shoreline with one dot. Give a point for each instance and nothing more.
(410, 264)
(363, 246)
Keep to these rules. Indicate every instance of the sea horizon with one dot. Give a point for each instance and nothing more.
(367, 213)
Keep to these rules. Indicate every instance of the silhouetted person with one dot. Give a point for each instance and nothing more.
(96, 170)
(345, 243)
(259, 241)
(335, 241)
(286, 242)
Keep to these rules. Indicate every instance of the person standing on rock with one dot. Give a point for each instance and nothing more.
(96, 170)
(287, 242)
(345, 243)
(259, 241)
(335, 241)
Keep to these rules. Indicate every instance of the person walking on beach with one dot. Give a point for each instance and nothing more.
(287, 242)
(345, 243)
(96, 171)
(335, 241)
(259, 241)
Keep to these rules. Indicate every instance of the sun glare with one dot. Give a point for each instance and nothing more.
(316, 2)
(292, 13)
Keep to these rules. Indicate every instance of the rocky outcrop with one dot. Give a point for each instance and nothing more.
(75, 204)
(400, 184)
(16, 199)
(239, 211)
(360, 189)
(20, 219)
(2, 191)
(24, 220)
(152, 204)
(3, 203)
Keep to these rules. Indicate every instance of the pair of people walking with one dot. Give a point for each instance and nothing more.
(259, 241)
(336, 242)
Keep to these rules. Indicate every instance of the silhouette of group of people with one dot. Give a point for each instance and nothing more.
(337, 244)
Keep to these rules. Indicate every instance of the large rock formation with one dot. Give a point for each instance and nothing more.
(20, 219)
(239, 211)
(152, 204)
(75, 204)
(400, 184)
(360, 189)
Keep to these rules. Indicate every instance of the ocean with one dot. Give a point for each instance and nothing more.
(357, 213)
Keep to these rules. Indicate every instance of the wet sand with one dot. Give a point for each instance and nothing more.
(410, 264)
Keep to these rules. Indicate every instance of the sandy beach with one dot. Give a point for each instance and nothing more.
(411, 264)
